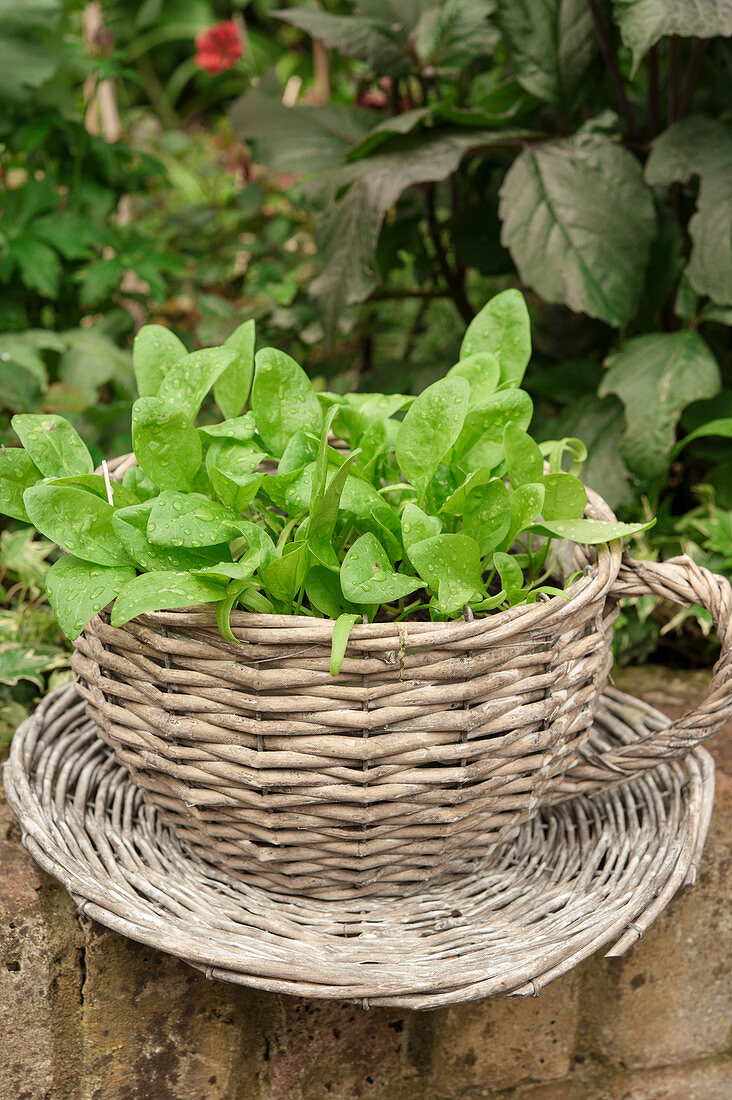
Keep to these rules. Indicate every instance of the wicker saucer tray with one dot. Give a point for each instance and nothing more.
(434, 742)
(593, 871)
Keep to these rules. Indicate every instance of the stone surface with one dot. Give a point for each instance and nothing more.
(88, 1015)
(324, 1049)
(40, 976)
(153, 1026)
(485, 1043)
(695, 1081)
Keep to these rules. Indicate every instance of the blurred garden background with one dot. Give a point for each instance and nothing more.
(360, 178)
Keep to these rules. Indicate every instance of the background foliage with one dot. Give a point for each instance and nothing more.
(360, 183)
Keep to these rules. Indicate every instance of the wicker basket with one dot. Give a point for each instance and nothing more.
(433, 742)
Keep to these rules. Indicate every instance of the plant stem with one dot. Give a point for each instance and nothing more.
(692, 74)
(672, 94)
(652, 93)
(608, 56)
(397, 295)
(453, 279)
(156, 92)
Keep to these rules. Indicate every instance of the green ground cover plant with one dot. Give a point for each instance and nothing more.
(431, 505)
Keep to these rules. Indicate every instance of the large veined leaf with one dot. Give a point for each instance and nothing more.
(299, 139)
(450, 34)
(371, 40)
(699, 146)
(27, 54)
(552, 45)
(579, 221)
(655, 377)
(643, 22)
(599, 423)
(349, 227)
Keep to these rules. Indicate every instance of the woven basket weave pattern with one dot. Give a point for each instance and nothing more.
(435, 740)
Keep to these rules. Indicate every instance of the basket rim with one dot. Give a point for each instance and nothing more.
(597, 579)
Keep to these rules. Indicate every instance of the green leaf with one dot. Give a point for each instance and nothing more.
(224, 608)
(524, 460)
(95, 483)
(77, 590)
(130, 527)
(237, 459)
(526, 504)
(590, 531)
(189, 519)
(52, 444)
(324, 517)
(502, 328)
(455, 503)
(702, 147)
(358, 412)
(450, 35)
(231, 389)
(480, 443)
(721, 428)
(25, 662)
(187, 382)
(579, 221)
(298, 139)
(368, 40)
(24, 555)
(139, 483)
(283, 576)
(256, 537)
(69, 234)
(417, 525)
(482, 371)
(367, 576)
(166, 443)
(430, 428)
(155, 350)
(235, 493)
(565, 497)
(39, 265)
(323, 590)
(487, 515)
(450, 566)
(552, 46)
(509, 571)
(392, 126)
(656, 377)
(90, 360)
(600, 423)
(77, 520)
(241, 428)
(341, 633)
(241, 570)
(283, 400)
(17, 473)
(644, 22)
(163, 591)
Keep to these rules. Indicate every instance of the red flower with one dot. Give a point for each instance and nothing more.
(218, 47)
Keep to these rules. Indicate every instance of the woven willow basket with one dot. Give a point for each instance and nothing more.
(433, 742)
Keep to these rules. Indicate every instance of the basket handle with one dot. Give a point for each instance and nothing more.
(681, 580)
